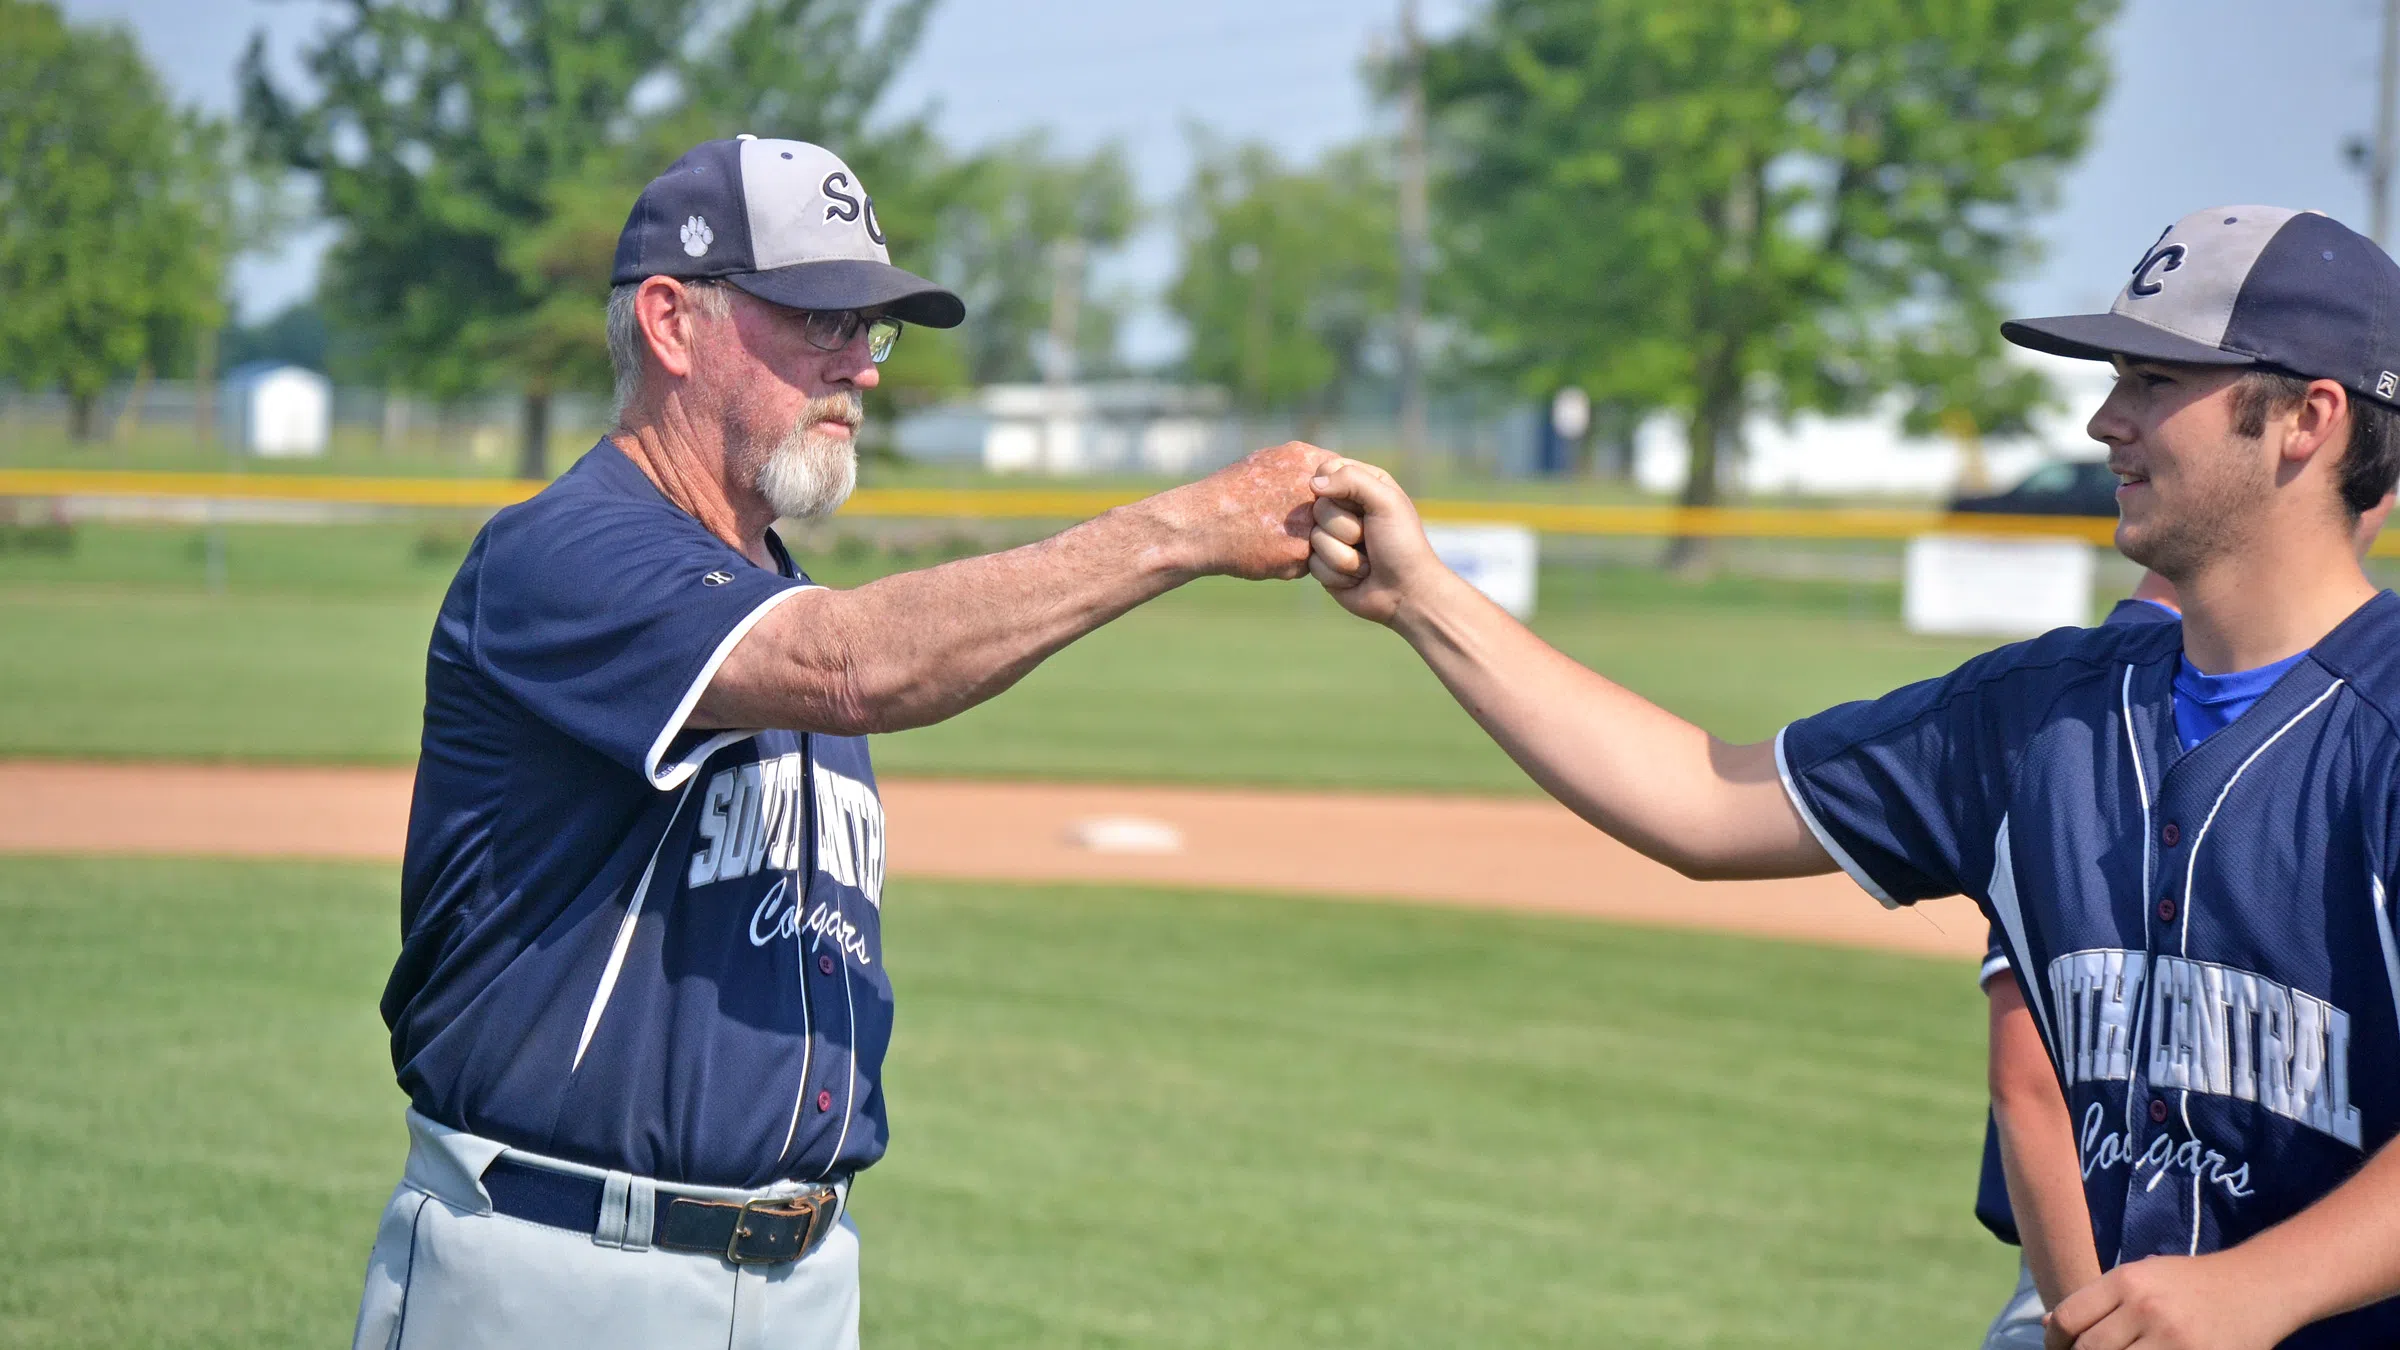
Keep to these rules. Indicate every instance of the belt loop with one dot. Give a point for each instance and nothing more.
(614, 1193)
(641, 1213)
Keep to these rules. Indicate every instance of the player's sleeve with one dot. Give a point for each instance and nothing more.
(1901, 791)
(608, 619)
(1995, 960)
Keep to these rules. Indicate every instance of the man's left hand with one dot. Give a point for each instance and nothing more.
(2173, 1303)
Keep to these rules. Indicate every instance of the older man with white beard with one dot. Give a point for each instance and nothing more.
(640, 1007)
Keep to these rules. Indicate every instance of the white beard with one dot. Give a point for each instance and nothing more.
(809, 475)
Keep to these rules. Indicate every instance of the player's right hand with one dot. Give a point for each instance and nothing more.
(1368, 548)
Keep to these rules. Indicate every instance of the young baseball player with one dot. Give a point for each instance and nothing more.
(2186, 832)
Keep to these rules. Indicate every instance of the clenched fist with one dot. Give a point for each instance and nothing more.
(1368, 548)
(1250, 519)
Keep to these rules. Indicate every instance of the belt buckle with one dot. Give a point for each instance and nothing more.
(811, 1210)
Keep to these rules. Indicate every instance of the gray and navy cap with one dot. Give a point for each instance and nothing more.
(784, 220)
(2295, 291)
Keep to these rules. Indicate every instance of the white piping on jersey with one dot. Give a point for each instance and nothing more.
(807, 858)
(2385, 935)
(2141, 792)
(616, 954)
(1994, 964)
(1840, 856)
(850, 1075)
(808, 1025)
(672, 774)
(2012, 920)
(2183, 936)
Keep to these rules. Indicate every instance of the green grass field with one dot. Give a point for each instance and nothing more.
(315, 651)
(1121, 1119)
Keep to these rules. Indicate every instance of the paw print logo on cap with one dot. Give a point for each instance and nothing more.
(697, 236)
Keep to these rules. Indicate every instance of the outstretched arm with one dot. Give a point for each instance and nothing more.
(918, 647)
(1702, 806)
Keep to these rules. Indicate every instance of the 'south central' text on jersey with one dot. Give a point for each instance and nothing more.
(2205, 1028)
(752, 816)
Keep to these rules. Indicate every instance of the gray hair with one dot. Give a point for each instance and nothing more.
(625, 345)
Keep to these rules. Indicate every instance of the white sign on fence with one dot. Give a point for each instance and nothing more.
(1996, 587)
(1498, 560)
(279, 411)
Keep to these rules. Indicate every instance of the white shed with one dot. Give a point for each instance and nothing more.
(277, 411)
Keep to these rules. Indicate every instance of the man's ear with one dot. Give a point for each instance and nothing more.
(2321, 423)
(664, 311)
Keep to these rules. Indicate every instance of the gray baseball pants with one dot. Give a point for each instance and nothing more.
(449, 1274)
(2019, 1325)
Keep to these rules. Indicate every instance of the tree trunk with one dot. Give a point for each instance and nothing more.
(129, 417)
(533, 455)
(1609, 443)
(1715, 427)
(83, 415)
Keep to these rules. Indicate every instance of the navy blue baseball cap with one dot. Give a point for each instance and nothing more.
(2295, 291)
(784, 220)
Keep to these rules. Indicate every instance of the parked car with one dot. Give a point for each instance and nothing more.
(2065, 488)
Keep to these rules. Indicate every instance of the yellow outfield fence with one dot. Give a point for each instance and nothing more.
(1724, 522)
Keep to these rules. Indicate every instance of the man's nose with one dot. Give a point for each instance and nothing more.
(854, 365)
(2109, 424)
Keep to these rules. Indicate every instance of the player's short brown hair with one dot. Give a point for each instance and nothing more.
(2370, 463)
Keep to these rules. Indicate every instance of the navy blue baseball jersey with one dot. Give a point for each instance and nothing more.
(2204, 936)
(625, 942)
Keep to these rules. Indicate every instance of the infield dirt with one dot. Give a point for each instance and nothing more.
(1473, 851)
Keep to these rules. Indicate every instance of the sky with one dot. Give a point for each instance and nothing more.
(2215, 102)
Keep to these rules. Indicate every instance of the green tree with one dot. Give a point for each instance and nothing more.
(1008, 222)
(1288, 273)
(1721, 205)
(479, 157)
(114, 206)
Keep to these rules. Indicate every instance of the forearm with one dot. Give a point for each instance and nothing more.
(1642, 774)
(2045, 1190)
(2340, 1253)
(918, 647)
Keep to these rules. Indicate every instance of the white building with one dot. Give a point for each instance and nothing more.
(1867, 454)
(1124, 426)
(277, 411)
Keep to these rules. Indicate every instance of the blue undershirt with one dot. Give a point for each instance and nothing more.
(2207, 704)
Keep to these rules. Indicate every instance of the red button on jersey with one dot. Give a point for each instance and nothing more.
(825, 1102)
(825, 964)
(2168, 834)
(2166, 910)
(2158, 1110)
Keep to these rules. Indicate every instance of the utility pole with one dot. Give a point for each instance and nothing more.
(2379, 169)
(1066, 316)
(1413, 229)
